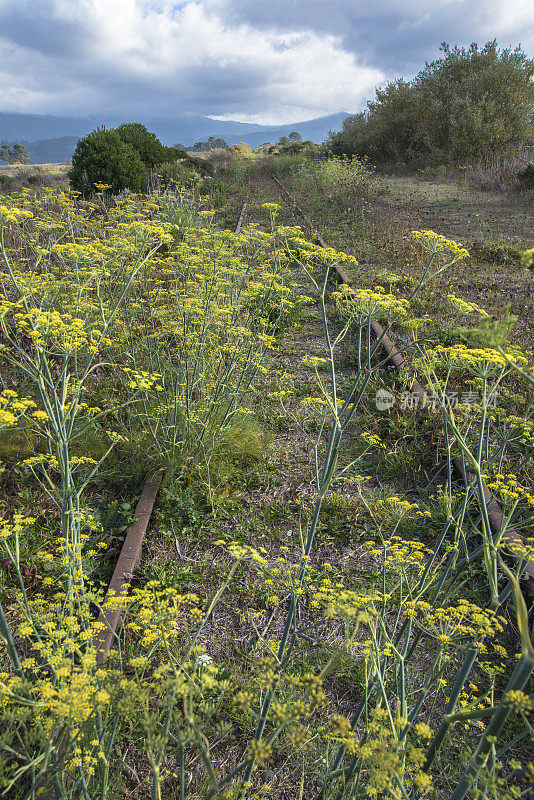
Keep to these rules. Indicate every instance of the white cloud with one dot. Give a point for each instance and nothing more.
(158, 47)
(285, 60)
(512, 19)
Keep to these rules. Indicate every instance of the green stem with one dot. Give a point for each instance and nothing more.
(517, 682)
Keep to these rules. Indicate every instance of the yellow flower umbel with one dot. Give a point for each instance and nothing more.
(12, 214)
(480, 361)
(465, 307)
(439, 245)
(362, 304)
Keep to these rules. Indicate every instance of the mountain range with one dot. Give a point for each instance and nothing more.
(52, 139)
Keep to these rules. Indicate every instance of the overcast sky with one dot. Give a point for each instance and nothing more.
(263, 61)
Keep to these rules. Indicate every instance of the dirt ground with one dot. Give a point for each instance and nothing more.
(495, 226)
(461, 211)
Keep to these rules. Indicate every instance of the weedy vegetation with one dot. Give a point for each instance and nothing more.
(323, 609)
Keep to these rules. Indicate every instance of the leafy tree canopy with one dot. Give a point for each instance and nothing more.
(469, 102)
(242, 150)
(149, 147)
(14, 154)
(103, 157)
(210, 144)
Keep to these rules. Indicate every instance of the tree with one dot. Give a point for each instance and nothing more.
(477, 100)
(20, 154)
(16, 154)
(211, 144)
(149, 147)
(467, 103)
(242, 150)
(217, 141)
(103, 157)
(388, 131)
(295, 136)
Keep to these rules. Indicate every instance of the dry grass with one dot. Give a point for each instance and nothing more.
(495, 227)
(14, 177)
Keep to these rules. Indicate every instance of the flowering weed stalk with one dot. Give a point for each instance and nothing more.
(144, 314)
(172, 340)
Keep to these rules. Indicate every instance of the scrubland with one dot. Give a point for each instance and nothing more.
(323, 608)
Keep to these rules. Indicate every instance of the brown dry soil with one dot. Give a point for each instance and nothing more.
(495, 227)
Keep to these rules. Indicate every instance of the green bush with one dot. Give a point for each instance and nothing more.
(242, 150)
(179, 152)
(149, 147)
(526, 176)
(122, 157)
(103, 157)
(461, 107)
(202, 165)
(183, 171)
(6, 183)
(176, 172)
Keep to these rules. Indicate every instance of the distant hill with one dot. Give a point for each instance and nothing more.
(315, 129)
(53, 139)
(52, 151)
(188, 127)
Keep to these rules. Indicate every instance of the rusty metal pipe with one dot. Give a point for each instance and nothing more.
(126, 564)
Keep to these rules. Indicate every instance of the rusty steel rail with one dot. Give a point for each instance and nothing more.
(126, 564)
(241, 216)
(496, 517)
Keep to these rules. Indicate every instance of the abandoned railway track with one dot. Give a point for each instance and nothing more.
(131, 549)
(497, 519)
(285, 618)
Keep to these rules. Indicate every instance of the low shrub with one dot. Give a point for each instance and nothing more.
(526, 176)
(6, 183)
(176, 172)
(202, 165)
(102, 157)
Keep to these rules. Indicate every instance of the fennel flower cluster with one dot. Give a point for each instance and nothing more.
(480, 361)
(465, 307)
(437, 244)
(366, 303)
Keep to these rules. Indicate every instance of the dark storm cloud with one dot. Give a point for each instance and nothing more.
(274, 61)
(37, 30)
(209, 88)
(396, 37)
